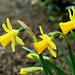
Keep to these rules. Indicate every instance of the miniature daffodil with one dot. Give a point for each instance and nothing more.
(31, 56)
(28, 70)
(22, 72)
(46, 42)
(11, 35)
(70, 25)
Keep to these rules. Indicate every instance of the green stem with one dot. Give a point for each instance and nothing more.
(49, 71)
(43, 64)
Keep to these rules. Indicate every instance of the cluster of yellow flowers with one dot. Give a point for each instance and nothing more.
(48, 41)
(12, 35)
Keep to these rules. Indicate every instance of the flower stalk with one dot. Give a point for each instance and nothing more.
(43, 64)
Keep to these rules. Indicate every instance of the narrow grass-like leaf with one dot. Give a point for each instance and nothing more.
(57, 69)
(73, 57)
(65, 51)
(49, 59)
(36, 58)
(29, 50)
(67, 60)
(59, 60)
(73, 35)
(49, 70)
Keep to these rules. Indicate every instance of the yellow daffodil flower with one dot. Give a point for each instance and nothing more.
(22, 72)
(31, 56)
(28, 70)
(46, 42)
(70, 25)
(11, 35)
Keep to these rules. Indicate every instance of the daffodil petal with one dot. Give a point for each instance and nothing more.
(23, 73)
(52, 51)
(19, 41)
(73, 12)
(41, 36)
(44, 36)
(41, 30)
(52, 45)
(9, 24)
(72, 17)
(4, 27)
(13, 44)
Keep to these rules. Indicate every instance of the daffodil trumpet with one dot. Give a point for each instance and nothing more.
(10, 36)
(70, 25)
(46, 42)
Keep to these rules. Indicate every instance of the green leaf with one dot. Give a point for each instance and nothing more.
(73, 35)
(73, 57)
(67, 60)
(59, 60)
(49, 70)
(65, 51)
(43, 64)
(57, 69)
(36, 58)
(28, 50)
(49, 59)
